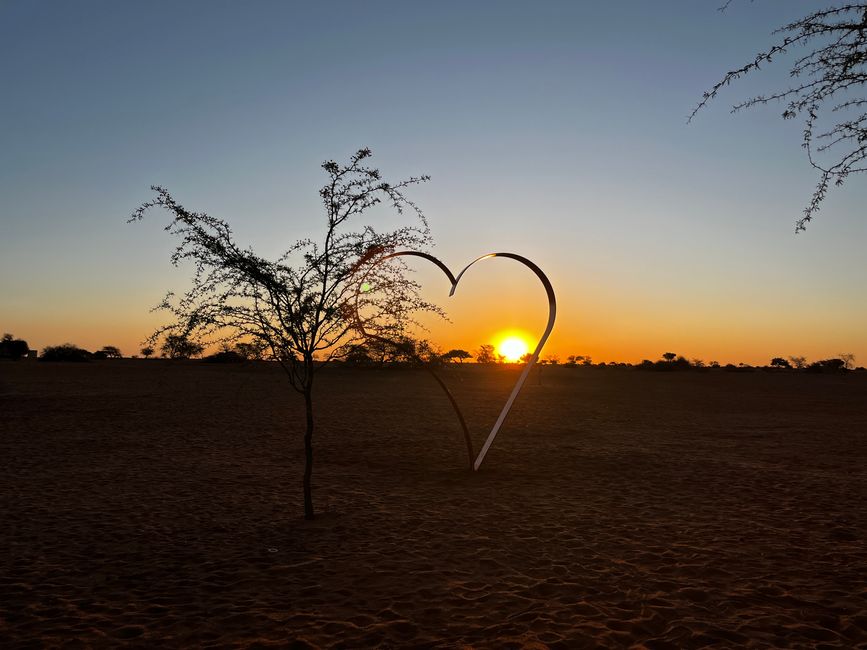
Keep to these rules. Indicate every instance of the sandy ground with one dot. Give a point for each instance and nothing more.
(159, 504)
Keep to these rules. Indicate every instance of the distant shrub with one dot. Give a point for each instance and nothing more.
(108, 352)
(65, 352)
(251, 351)
(669, 365)
(12, 348)
(176, 346)
(358, 356)
(741, 367)
(225, 356)
(830, 366)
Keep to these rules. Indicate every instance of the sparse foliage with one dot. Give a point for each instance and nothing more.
(486, 354)
(302, 306)
(250, 350)
(799, 362)
(147, 351)
(828, 92)
(180, 346)
(848, 360)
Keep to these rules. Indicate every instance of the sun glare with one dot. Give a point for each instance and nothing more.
(513, 348)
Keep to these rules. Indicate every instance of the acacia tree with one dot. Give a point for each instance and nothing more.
(111, 352)
(830, 73)
(458, 354)
(302, 306)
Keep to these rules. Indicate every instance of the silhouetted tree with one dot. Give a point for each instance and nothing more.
(303, 305)
(180, 346)
(147, 351)
(827, 366)
(799, 362)
(110, 352)
(12, 348)
(669, 356)
(830, 72)
(226, 355)
(779, 362)
(486, 354)
(358, 355)
(848, 360)
(65, 352)
(427, 352)
(458, 354)
(250, 350)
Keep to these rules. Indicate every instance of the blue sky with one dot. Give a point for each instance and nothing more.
(553, 129)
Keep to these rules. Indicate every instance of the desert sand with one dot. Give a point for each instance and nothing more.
(158, 504)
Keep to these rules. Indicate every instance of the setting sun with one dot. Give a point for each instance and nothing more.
(513, 348)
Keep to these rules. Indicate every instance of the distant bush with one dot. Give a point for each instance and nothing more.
(12, 348)
(741, 367)
(830, 366)
(108, 352)
(176, 346)
(225, 356)
(65, 352)
(251, 351)
(671, 364)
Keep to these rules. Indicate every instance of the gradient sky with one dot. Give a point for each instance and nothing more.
(554, 129)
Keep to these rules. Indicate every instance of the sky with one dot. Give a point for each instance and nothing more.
(556, 130)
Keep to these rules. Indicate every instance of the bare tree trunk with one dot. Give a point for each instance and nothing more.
(308, 454)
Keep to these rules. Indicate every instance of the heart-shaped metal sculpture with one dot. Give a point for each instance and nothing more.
(454, 279)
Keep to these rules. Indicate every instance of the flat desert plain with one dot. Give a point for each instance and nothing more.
(158, 504)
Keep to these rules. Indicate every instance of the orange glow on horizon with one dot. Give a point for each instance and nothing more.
(512, 346)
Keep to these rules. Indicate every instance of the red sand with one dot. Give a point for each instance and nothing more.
(159, 504)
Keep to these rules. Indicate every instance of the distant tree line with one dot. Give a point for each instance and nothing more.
(409, 352)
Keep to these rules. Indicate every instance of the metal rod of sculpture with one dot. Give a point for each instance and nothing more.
(552, 313)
